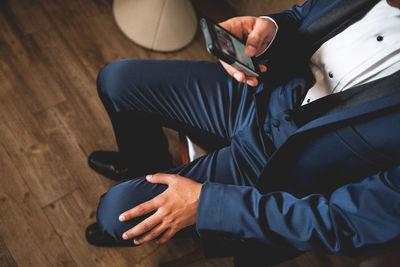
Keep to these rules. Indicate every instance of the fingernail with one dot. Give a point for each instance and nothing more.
(237, 76)
(148, 177)
(136, 242)
(125, 236)
(122, 218)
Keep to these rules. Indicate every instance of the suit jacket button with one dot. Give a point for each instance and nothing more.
(276, 123)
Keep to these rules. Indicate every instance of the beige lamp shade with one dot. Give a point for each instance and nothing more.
(160, 25)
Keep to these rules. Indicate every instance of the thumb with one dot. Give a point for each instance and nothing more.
(159, 178)
(256, 39)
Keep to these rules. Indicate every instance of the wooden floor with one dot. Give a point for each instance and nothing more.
(50, 121)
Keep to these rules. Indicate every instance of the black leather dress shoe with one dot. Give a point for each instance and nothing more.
(109, 164)
(113, 166)
(98, 238)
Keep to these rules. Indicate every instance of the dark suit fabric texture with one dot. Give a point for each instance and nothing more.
(331, 183)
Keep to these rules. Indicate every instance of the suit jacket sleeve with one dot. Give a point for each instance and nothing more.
(288, 22)
(353, 218)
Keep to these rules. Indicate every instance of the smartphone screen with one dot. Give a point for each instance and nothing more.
(232, 47)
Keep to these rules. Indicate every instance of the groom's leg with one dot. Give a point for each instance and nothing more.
(198, 98)
(240, 163)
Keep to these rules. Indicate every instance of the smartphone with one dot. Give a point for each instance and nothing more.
(227, 47)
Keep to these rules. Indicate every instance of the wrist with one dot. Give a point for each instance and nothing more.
(272, 35)
(196, 195)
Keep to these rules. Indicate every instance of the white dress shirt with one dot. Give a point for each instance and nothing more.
(367, 50)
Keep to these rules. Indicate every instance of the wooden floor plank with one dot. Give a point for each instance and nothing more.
(26, 144)
(26, 68)
(27, 15)
(63, 136)
(23, 226)
(71, 10)
(5, 257)
(90, 120)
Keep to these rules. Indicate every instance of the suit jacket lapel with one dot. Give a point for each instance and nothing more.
(357, 111)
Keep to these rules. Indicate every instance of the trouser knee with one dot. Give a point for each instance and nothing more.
(114, 82)
(122, 197)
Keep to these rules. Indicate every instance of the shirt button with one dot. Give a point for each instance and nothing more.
(379, 38)
(308, 100)
(330, 75)
(276, 123)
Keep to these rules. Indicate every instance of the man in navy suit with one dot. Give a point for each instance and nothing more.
(307, 157)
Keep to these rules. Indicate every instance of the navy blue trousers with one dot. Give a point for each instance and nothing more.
(197, 98)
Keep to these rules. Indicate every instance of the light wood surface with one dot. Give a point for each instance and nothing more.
(160, 25)
(50, 121)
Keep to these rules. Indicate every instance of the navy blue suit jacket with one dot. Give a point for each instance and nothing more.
(332, 184)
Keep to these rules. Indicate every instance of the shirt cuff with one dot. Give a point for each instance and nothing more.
(271, 19)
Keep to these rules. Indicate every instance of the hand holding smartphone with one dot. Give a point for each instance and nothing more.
(228, 48)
